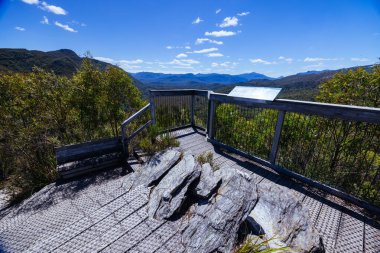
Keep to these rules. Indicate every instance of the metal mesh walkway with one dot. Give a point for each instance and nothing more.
(101, 214)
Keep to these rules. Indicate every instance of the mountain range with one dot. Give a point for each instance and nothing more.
(66, 62)
(160, 78)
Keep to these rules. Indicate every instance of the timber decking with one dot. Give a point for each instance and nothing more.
(99, 213)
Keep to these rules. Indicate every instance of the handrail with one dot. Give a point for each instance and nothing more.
(126, 122)
(283, 106)
(346, 112)
(138, 113)
(179, 92)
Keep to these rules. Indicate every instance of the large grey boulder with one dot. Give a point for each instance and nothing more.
(213, 225)
(283, 218)
(153, 171)
(169, 195)
(208, 181)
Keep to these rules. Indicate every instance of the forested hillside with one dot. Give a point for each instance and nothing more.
(40, 110)
(63, 62)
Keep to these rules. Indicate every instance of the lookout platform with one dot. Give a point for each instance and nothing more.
(100, 213)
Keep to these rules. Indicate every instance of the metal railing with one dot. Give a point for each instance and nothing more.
(324, 145)
(127, 135)
(179, 108)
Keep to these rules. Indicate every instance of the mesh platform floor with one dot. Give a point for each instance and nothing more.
(99, 213)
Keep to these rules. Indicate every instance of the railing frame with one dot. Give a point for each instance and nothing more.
(184, 92)
(126, 139)
(284, 106)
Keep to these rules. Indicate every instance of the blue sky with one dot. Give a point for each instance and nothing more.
(201, 36)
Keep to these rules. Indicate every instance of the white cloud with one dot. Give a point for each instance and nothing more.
(217, 11)
(31, 1)
(178, 47)
(78, 23)
(221, 33)
(229, 21)
(190, 61)
(317, 66)
(288, 60)
(243, 14)
(53, 9)
(197, 20)
(203, 40)
(214, 55)
(206, 50)
(65, 27)
(182, 55)
(44, 21)
(214, 64)
(316, 59)
(359, 59)
(19, 28)
(228, 64)
(125, 64)
(105, 59)
(137, 61)
(183, 62)
(261, 61)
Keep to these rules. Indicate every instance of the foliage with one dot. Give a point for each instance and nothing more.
(257, 245)
(246, 128)
(156, 141)
(343, 154)
(355, 87)
(40, 110)
(173, 112)
(207, 158)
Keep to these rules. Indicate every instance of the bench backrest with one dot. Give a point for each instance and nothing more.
(90, 149)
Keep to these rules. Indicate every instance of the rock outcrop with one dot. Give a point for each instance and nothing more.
(212, 205)
(169, 195)
(282, 217)
(213, 225)
(208, 182)
(154, 170)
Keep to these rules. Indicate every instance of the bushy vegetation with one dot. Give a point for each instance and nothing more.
(255, 244)
(155, 140)
(40, 110)
(207, 158)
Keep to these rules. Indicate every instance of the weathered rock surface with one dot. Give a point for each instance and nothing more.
(212, 205)
(208, 181)
(155, 168)
(213, 225)
(169, 195)
(282, 217)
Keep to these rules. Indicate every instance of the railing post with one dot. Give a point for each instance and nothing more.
(276, 139)
(124, 142)
(192, 110)
(152, 108)
(211, 118)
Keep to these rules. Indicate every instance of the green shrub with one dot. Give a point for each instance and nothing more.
(155, 141)
(255, 244)
(207, 158)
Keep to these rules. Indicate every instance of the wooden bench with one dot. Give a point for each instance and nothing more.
(78, 159)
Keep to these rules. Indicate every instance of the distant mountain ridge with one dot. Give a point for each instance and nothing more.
(66, 62)
(63, 62)
(160, 78)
